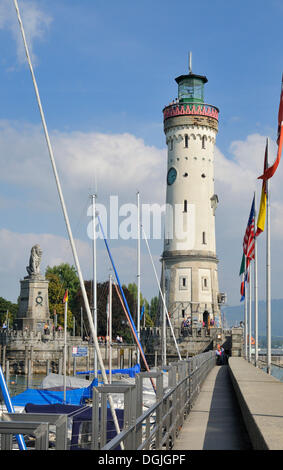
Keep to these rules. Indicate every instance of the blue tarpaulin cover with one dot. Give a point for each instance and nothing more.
(79, 414)
(131, 371)
(48, 397)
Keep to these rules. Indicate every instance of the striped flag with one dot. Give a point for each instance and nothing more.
(249, 242)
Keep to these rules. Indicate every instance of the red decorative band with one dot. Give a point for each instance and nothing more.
(190, 109)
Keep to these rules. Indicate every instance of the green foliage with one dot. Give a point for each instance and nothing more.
(120, 324)
(56, 291)
(154, 303)
(133, 289)
(68, 279)
(6, 305)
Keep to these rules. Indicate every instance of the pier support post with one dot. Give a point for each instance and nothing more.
(26, 360)
(4, 357)
(47, 366)
(60, 365)
(7, 373)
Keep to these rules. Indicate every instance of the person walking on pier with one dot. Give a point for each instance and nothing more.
(220, 353)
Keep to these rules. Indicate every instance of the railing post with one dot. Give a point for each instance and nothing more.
(139, 394)
(129, 396)
(42, 437)
(95, 420)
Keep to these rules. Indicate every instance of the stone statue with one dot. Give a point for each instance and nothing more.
(34, 262)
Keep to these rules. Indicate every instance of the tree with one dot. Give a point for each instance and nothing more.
(120, 324)
(10, 307)
(56, 293)
(154, 304)
(68, 279)
(133, 289)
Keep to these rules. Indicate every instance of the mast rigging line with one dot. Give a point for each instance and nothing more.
(162, 296)
(124, 302)
(66, 217)
(131, 326)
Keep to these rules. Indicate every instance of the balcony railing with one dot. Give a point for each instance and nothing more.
(190, 109)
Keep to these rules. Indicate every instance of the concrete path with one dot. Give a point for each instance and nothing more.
(215, 421)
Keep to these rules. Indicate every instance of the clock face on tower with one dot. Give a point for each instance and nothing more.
(171, 175)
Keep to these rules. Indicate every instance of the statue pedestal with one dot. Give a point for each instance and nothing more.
(33, 307)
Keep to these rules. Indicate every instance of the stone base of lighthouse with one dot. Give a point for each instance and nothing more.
(191, 286)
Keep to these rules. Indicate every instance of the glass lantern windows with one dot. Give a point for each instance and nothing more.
(191, 90)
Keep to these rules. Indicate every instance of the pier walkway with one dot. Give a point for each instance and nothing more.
(239, 407)
(215, 421)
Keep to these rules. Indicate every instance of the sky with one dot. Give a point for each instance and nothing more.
(105, 70)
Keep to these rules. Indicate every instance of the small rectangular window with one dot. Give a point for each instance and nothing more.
(186, 140)
(203, 142)
(204, 282)
(203, 238)
(185, 205)
(171, 144)
(183, 282)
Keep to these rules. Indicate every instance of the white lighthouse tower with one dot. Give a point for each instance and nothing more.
(189, 257)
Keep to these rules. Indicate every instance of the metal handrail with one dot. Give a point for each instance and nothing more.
(168, 412)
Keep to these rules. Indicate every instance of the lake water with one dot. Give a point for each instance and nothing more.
(18, 383)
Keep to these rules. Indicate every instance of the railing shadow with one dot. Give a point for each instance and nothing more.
(225, 427)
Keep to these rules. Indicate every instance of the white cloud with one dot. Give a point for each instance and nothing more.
(35, 21)
(123, 163)
(235, 182)
(119, 163)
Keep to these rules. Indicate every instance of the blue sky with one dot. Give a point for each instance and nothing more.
(105, 70)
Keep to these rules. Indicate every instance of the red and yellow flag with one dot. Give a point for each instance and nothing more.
(263, 198)
(269, 172)
(66, 297)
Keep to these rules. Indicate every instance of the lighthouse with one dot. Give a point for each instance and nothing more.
(189, 261)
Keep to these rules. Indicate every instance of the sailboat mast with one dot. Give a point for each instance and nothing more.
(138, 274)
(164, 344)
(65, 347)
(110, 329)
(93, 197)
(67, 221)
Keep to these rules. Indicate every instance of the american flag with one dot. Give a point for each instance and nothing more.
(249, 242)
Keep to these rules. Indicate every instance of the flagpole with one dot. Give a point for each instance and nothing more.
(250, 315)
(255, 290)
(65, 347)
(246, 323)
(268, 284)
